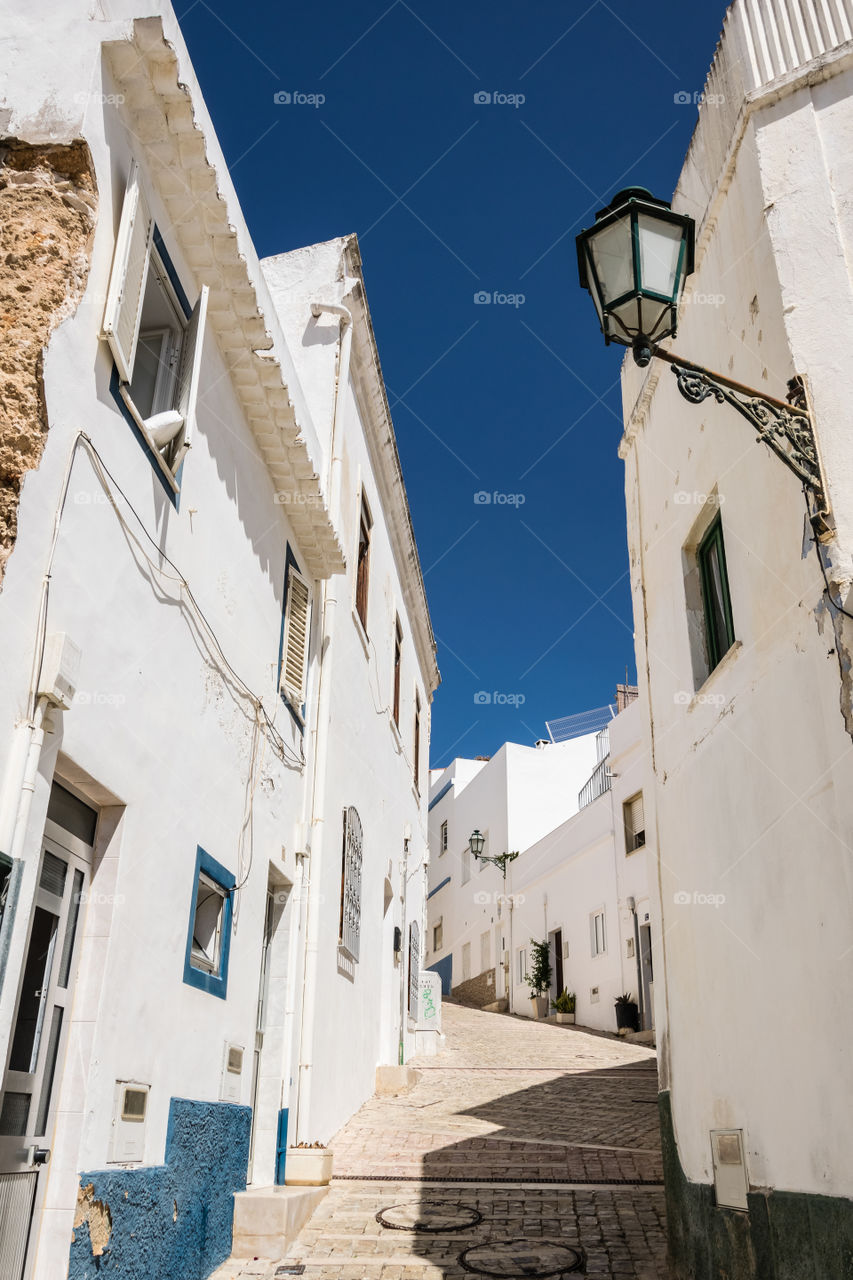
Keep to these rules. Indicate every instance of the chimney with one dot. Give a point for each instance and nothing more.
(625, 695)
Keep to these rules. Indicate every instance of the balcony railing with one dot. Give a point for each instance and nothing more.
(598, 783)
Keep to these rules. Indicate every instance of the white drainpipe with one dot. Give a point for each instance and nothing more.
(320, 734)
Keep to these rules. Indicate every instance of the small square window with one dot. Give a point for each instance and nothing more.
(209, 934)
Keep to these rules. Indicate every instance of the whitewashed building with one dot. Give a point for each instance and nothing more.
(748, 689)
(572, 810)
(218, 669)
(584, 887)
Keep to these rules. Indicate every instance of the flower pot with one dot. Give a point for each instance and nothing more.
(565, 1017)
(308, 1167)
(540, 1006)
(627, 1017)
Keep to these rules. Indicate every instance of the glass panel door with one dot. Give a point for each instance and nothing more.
(40, 1030)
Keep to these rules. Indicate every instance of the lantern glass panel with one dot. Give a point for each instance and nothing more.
(610, 250)
(655, 317)
(660, 248)
(626, 320)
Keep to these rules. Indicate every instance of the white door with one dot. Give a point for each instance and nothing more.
(39, 1037)
(485, 951)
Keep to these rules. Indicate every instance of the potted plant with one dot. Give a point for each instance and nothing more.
(564, 1006)
(308, 1164)
(539, 977)
(627, 1013)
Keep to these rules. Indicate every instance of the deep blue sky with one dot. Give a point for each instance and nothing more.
(450, 197)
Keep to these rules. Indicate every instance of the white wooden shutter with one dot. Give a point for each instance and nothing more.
(637, 822)
(132, 253)
(189, 370)
(297, 630)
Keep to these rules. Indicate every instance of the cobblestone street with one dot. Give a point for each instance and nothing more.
(521, 1132)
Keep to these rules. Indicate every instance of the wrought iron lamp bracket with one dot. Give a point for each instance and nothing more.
(501, 860)
(784, 426)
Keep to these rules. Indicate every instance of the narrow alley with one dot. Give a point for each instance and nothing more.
(525, 1149)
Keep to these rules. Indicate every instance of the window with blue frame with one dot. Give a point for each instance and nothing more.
(155, 337)
(209, 934)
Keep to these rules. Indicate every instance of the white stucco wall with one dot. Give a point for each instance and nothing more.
(751, 766)
(161, 738)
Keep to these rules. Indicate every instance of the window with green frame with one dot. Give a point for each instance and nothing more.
(719, 628)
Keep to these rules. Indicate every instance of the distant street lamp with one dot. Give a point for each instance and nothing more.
(634, 262)
(477, 842)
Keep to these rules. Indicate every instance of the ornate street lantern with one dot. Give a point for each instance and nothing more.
(634, 262)
(476, 843)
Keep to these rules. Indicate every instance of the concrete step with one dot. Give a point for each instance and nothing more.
(268, 1219)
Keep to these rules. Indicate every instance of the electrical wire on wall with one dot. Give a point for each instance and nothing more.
(263, 722)
(839, 608)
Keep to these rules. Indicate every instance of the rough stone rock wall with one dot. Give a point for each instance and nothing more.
(48, 200)
(477, 991)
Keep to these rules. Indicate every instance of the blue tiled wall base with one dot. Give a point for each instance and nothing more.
(173, 1221)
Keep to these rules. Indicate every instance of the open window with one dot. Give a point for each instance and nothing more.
(296, 635)
(398, 661)
(362, 562)
(155, 339)
(635, 823)
(209, 935)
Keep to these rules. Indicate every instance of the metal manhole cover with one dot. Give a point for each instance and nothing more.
(430, 1215)
(513, 1258)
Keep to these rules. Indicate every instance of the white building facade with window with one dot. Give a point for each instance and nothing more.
(743, 655)
(570, 810)
(209, 835)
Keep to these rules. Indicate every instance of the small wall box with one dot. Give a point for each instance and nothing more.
(232, 1073)
(130, 1111)
(730, 1178)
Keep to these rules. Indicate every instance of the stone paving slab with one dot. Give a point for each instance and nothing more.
(510, 1112)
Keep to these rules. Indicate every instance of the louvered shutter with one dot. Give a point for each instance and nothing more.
(123, 309)
(297, 628)
(637, 822)
(186, 391)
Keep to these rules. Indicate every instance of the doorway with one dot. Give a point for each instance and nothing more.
(557, 980)
(40, 1027)
(647, 975)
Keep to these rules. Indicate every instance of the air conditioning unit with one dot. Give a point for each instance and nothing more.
(232, 1073)
(130, 1110)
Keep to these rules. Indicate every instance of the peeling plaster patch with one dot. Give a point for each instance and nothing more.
(47, 216)
(98, 1217)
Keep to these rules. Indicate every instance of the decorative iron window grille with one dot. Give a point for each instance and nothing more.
(350, 923)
